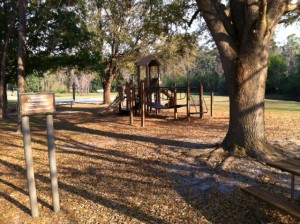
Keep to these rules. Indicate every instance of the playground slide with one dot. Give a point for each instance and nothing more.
(115, 104)
(169, 94)
(165, 91)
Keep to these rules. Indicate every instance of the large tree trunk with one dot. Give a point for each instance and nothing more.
(3, 107)
(5, 101)
(108, 83)
(21, 53)
(242, 33)
(3, 95)
(246, 124)
(106, 94)
(22, 46)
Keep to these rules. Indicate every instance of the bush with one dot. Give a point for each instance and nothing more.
(222, 87)
(34, 83)
(292, 87)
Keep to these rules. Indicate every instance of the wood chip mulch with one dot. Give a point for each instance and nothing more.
(112, 172)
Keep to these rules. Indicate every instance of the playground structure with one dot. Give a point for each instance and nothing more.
(145, 96)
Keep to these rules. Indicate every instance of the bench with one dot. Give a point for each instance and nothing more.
(60, 102)
(274, 200)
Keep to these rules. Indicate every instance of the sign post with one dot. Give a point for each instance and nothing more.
(31, 104)
(52, 162)
(29, 166)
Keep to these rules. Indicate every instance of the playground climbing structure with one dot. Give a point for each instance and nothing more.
(144, 94)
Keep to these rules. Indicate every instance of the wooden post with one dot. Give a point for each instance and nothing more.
(130, 91)
(52, 163)
(127, 90)
(135, 104)
(158, 74)
(147, 76)
(148, 85)
(29, 166)
(73, 89)
(175, 101)
(201, 100)
(143, 103)
(211, 103)
(138, 74)
(188, 101)
(139, 80)
(158, 85)
(157, 96)
(120, 89)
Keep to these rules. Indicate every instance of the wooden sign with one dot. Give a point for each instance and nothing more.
(36, 103)
(39, 103)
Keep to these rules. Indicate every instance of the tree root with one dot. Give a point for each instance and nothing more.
(222, 160)
(225, 164)
(216, 156)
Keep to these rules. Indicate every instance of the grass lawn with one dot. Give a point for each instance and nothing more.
(64, 96)
(220, 102)
(112, 172)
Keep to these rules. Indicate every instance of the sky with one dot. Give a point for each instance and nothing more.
(280, 36)
(282, 32)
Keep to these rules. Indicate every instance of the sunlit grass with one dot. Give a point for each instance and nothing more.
(282, 105)
(220, 102)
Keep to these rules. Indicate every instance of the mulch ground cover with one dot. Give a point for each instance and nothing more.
(113, 172)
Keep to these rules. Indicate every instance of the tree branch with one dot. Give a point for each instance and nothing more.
(291, 18)
(227, 12)
(288, 20)
(222, 12)
(292, 8)
(225, 42)
(193, 17)
(263, 21)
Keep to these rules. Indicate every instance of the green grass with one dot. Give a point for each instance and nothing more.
(220, 102)
(65, 96)
(282, 105)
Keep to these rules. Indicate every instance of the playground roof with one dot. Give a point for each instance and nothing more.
(148, 60)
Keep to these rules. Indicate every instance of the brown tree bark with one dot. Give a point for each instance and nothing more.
(3, 95)
(21, 53)
(242, 33)
(5, 102)
(247, 112)
(3, 105)
(107, 83)
(22, 46)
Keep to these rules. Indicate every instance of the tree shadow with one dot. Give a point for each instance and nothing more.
(189, 185)
(14, 201)
(195, 181)
(135, 212)
(63, 125)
